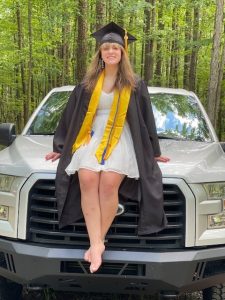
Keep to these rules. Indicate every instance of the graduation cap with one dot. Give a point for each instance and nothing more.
(113, 33)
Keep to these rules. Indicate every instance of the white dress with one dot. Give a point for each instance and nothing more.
(122, 159)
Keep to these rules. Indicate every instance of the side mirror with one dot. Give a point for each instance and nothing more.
(223, 145)
(7, 133)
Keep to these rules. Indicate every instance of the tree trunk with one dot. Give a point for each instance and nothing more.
(194, 53)
(148, 66)
(65, 48)
(152, 40)
(131, 48)
(159, 57)
(120, 13)
(187, 56)
(215, 62)
(100, 15)
(82, 40)
(173, 79)
(109, 11)
(17, 92)
(74, 51)
(218, 106)
(220, 123)
(142, 58)
(30, 63)
(21, 61)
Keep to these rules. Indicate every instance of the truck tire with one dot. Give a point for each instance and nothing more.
(10, 290)
(216, 292)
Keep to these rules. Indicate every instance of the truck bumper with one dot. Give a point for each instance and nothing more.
(121, 271)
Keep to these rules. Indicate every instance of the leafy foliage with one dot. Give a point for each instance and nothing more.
(54, 46)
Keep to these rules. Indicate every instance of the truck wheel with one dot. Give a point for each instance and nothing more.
(216, 292)
(10, 290)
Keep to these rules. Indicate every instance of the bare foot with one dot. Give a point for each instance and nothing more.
(87, 255)
(96, 252)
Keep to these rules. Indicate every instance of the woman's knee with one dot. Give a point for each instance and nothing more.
(109, 184)
(89, 180)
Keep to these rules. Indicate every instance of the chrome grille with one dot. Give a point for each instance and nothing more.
(43, 222)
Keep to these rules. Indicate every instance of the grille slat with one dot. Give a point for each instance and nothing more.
(159, 237)
(174, 214)
(172, 203)
(170, 192)
(43, 222)
(55, 233)
(46, 221)
(43, 198)
(43, 209)
(45, 186)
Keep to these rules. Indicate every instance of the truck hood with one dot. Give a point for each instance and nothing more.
(26, 156)
(194, 162)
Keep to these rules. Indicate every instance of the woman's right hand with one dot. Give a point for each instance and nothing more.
(53, 156)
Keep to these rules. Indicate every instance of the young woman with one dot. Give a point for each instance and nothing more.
(107, 144)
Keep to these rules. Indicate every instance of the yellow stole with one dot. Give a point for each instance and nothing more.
(114, 124)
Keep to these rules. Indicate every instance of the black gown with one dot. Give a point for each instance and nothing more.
(147, 190)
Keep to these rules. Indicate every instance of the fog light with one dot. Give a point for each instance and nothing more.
(216, 221)
(4, 212)
(6, 182)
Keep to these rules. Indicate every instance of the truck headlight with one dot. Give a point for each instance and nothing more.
(216, 221)
(4, 212)
(6, 182)
(216, 191)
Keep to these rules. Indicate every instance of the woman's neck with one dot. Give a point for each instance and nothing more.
(110, 78)
(111, 70)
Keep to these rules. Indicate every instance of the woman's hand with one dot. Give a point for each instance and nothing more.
(53, 156)
(162, 159)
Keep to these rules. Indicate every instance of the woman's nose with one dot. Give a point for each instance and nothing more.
(110, 49)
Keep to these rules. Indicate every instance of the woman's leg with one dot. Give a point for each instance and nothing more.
(89, 186)
(108, 195)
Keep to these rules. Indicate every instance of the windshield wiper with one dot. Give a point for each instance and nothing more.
(40, 133)
(167, 137)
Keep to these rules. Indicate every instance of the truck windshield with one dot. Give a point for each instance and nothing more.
(179, 117)
(49, 115)
(176, 116)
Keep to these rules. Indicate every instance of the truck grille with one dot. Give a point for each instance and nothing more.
(43, 222)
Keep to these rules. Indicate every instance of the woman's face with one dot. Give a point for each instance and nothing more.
(111, 53)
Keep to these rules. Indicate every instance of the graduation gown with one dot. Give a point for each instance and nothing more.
(147, 190)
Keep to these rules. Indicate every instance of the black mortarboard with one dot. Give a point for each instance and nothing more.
(113, 33)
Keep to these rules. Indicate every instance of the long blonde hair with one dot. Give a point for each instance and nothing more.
(125, 75)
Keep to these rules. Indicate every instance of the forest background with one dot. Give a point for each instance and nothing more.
(47, 43)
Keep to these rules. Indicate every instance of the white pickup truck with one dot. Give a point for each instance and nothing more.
(188, 255)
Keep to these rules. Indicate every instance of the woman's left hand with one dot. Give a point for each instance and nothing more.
(162, 159)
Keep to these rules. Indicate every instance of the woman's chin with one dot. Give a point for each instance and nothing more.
(112, 63)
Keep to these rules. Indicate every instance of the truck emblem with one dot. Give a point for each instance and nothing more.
(120, 210)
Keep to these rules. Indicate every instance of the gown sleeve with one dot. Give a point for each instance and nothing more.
(64, 122)
(149, 118)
